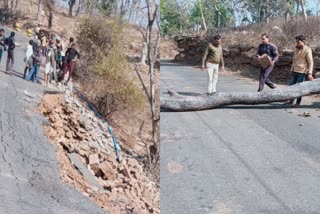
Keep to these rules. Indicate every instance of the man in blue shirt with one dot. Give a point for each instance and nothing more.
(266, 47)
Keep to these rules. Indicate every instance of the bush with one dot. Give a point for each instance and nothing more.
(104, 71)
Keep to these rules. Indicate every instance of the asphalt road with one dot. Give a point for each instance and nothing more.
(237, 159)
(29, 174)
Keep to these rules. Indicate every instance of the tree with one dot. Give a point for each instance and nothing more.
(9, 9)
(152, 56)
(71, 3)
(133, 7)
(298, 6)
(304, 11)
(79, 7)
(107, 7)
(202, 16)
(178, 102)
(39, 8)
(153, 9)
(49, 4)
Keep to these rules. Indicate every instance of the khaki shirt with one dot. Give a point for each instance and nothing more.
(213, 54)
(44, 41)
(302, 60)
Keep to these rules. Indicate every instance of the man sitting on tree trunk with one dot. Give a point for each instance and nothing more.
(213, 56)
(302, 65)
(271, 50)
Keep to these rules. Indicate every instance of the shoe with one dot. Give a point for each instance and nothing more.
(209, 94)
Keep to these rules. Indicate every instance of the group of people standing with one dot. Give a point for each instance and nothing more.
(44, 49)
(59, 60)
(301, 68)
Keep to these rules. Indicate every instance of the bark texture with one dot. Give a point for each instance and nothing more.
(177, 102)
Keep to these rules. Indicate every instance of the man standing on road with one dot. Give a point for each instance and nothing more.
(36, 63)
(10, 41)
(2, 43)
(302, 65)
(50, 64)
(271, 50)
(28, 58)
(211, 59)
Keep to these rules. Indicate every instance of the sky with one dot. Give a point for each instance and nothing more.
(311, 5)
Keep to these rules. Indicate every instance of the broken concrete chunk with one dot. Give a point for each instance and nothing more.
(94, 163)
(69, 135)
(108, 171)
(305, 114)
(80, 166)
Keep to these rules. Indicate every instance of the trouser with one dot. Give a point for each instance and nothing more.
(34, 73)
(264, 78)
(59, 65)
(68, 67)
(53, 74)
(1, 52)
(44, 50)
(213, 70)
(10, 60)
(294, 79)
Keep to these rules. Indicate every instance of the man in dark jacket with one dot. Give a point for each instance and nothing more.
(70, 59)
(2, 43)
(10, 42)
(266, 47)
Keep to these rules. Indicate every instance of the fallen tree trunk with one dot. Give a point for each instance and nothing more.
(177, 102)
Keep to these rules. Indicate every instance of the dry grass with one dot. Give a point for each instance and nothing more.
(281, 33)
(104, 70)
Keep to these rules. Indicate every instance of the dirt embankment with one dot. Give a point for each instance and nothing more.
(81, 141)
(168, 49)
(125, 122)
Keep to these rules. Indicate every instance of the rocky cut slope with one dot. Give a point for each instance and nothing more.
(88, 161)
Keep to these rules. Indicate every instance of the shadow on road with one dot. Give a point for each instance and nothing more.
(272, 106)
(17, 74)
(314, 105)
(172, 63)
(14, 73)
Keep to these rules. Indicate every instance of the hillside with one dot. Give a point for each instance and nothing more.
(138, 192)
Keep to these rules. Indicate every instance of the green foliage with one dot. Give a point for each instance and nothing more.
(106, 67)
(183, 16)
(106, 7)
(170, 17)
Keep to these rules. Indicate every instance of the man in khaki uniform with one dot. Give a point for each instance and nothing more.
(212, 57)
(302, 65)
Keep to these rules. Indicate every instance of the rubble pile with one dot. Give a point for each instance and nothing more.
(88, 162)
